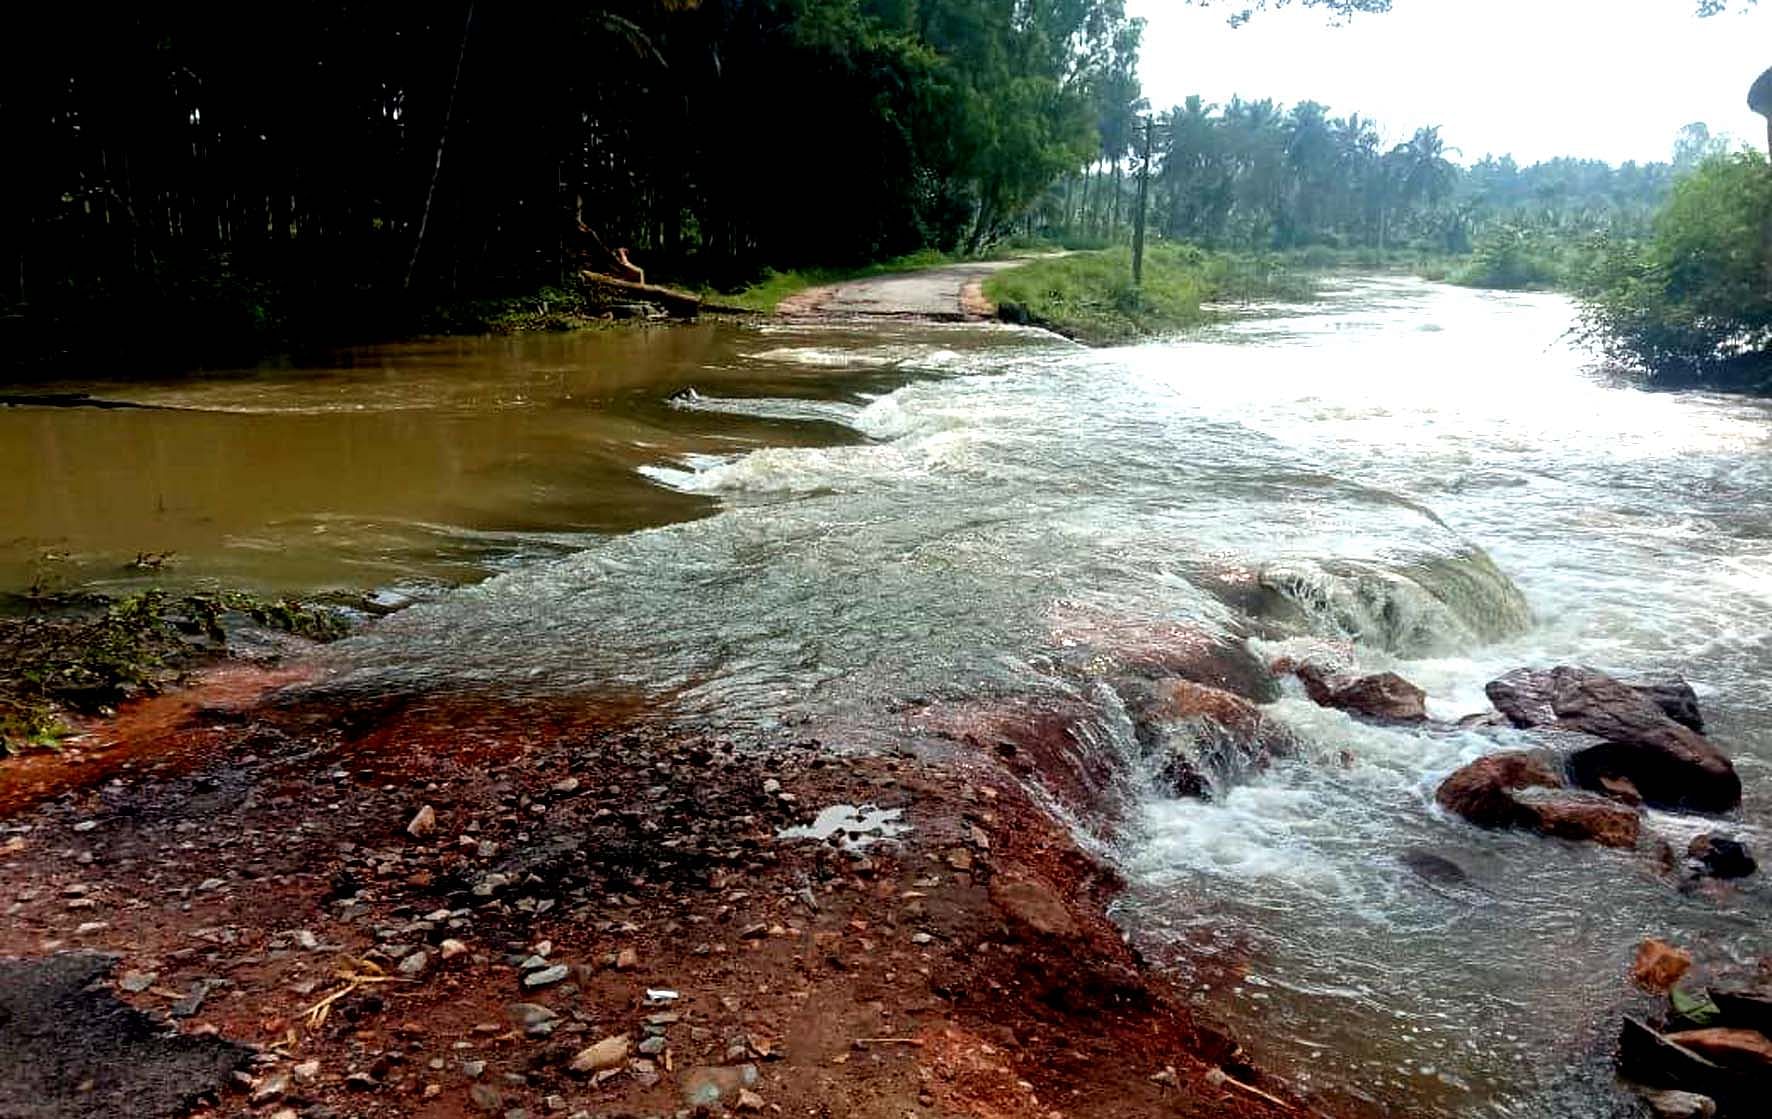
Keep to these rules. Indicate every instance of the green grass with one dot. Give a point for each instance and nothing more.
(1090, 296)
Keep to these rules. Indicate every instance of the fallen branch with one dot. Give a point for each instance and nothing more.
(1219, 1077)
(601, 288)
(357, 974)
(916, 1041)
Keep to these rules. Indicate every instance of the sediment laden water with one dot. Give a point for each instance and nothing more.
(1423, 476)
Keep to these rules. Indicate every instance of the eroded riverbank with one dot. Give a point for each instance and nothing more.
(439, 906)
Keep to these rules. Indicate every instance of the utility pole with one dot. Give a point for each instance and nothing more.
(1759, 99)
(1144, 191)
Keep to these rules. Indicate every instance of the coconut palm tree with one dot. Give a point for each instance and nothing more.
(1426, 175)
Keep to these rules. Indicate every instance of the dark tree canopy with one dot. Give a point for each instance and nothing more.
(312, 158)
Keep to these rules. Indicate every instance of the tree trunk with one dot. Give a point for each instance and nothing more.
(1114, 221)
(1083, 213)
(987, 218)
(424, 220)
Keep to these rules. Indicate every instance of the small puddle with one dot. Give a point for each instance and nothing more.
(859, 826)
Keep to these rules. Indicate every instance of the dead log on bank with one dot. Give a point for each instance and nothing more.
(609, 291)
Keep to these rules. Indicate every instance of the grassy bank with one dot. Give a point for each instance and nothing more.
(1090, 296)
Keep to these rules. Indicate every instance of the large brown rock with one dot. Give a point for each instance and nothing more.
(1742, 1050)
(1649, 1058)
(1581, 816)
(1482, 792)
(1670, 764)
(1676, 699)
(1382, 696)
(1747, 1009)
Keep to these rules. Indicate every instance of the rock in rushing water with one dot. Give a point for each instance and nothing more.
(1515, 789)
(1660, 1062)
(1721, 856)
(1659, 965)
(1430, 867)
(1581, 816)
(1382, 696)
(1482, 792)
(1752, 1009)
(1676, 699)
(1680, 1105)
(1199, 738)
(1671, 765)
(1743, 1050)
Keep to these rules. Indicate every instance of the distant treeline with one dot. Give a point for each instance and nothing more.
(1252, 174)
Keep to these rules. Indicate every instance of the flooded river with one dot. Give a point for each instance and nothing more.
(809, 526)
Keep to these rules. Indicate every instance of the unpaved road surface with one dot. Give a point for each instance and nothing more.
(598, 916)
(951, 293)
(72, 1049)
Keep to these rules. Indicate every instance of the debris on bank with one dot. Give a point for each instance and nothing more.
(66, 656)
(1706, 1050)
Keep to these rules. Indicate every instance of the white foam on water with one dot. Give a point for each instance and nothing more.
(831, 358)
(1352, 472)
(769, 408)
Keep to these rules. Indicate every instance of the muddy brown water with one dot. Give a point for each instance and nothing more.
(430, 462)
(815, 526)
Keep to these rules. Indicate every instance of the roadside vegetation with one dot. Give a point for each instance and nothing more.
(1691, 304)
(381, 171)
(374, 162)
(1090, 296)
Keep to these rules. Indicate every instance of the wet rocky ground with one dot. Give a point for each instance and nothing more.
(236, 903)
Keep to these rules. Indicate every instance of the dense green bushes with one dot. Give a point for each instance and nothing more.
(1511, 257)
(1692, 304)
(1090, 296)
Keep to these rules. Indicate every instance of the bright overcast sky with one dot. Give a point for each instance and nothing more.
(1605, 79)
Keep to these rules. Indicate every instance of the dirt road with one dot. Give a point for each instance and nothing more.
(949, 294)
(453, 907)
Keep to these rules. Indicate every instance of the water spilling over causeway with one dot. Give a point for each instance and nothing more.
(890, 532)
(1449, 502)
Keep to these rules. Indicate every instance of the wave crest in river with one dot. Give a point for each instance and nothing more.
(1434, 605)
